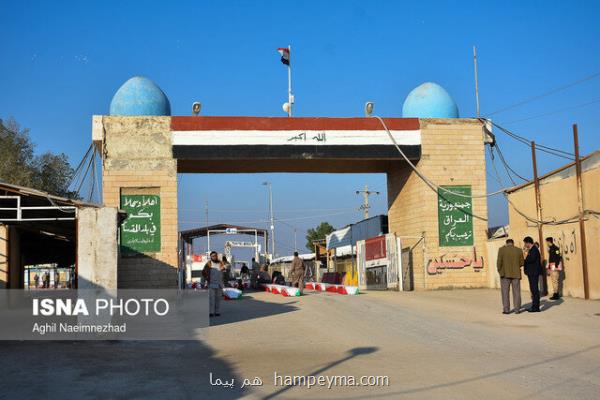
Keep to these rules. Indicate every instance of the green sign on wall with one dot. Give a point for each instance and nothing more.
(140, 232)
(455, 216)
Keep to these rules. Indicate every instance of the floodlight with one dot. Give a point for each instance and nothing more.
(196, 106)
(369, 105)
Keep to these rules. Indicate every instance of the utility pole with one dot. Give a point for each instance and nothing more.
(476, 79)
(269, 186)
(586, 286)
(365, 206)
(538, 207)
(295, 240)
(290, 95)
(207, 235)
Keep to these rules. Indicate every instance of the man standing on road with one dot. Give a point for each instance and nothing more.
(510, 260)
(554, 266)
(298, 271)
(213, 274)
(533, 270)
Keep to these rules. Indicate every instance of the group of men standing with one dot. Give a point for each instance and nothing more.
(214, 270)
(510, 261)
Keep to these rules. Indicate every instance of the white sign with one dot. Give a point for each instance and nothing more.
(240, 244)
(296, 138)
(231, 231)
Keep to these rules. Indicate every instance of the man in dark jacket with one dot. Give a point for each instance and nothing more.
(533, 269)
(554, 266)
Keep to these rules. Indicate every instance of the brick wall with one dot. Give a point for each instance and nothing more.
(452, 154)
(137, 154)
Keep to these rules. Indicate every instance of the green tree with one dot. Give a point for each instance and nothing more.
(19, 166)
(16, 153)
(318, 233)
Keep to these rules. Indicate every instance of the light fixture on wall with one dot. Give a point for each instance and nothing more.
(196, 106)
(369, 105)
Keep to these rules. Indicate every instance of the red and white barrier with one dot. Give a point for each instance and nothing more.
(281, 289)
(316, 286)
(331, 288)
(232, 293)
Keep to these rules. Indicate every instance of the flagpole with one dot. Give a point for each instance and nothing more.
(290, 96)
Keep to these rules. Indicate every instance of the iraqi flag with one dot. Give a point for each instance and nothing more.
(285, 55)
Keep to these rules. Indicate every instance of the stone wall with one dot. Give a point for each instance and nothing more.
(453, 153)
(137, 155)
(97, 249)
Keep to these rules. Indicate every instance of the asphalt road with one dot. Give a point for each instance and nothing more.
(432, 345)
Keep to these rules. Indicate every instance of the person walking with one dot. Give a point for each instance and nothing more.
(533, 270)
(213, 274)
(227, 276)
(555, 265)
(298, 271)
(510, 261)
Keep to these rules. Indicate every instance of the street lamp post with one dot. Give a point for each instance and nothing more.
(295, 240)
(269, 186)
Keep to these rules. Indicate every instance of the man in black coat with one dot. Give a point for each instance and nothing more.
(554, 266)
(533, 269)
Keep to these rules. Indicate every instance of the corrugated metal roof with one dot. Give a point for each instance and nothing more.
(349, 235)
(200, 232)
(27, 191)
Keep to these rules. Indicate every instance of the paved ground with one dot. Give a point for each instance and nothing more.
(434, 345)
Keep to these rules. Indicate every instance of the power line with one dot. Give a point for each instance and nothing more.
(437, 188)
(547, 149)
(507, 166)
(554, 112)
(548, 93)
(424, 178)
(498, 179)
(528, 141)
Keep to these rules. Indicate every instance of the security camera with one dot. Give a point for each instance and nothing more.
(196, 106)
(369, 108)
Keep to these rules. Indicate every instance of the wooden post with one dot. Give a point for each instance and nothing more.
(538, 207)
(586, 287)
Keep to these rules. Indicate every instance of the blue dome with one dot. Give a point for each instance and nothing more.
(429, 100)
(140, 96)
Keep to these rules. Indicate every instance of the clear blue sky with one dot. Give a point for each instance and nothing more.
(61, 62)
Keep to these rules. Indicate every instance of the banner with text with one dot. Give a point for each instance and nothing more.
(455, 216)
(140, 232)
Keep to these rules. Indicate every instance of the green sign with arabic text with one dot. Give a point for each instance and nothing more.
(140, 232)
(455, 216)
